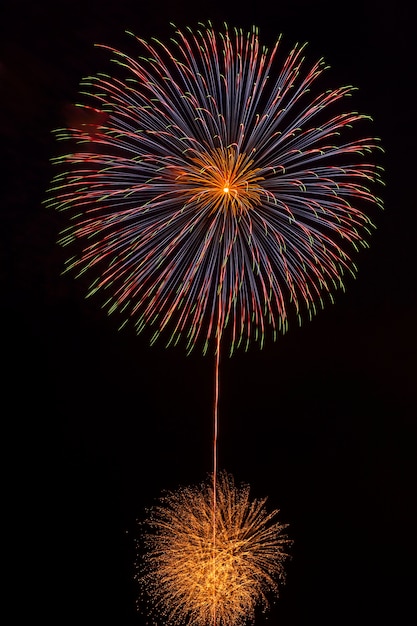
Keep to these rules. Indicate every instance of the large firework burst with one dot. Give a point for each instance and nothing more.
(198, 573)
(217, 190)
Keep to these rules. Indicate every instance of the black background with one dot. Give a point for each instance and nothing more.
(96, 423)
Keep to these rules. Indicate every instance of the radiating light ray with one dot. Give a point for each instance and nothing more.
(219, 175)
(176, 556)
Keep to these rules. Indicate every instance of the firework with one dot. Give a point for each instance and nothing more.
(192, 578)
(215, 190)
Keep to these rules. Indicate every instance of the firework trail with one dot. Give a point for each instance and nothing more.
(220, 190)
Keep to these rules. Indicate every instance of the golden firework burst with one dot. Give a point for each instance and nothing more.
(222, 179)
(211, 563)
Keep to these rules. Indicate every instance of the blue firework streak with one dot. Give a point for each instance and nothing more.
(215, 190)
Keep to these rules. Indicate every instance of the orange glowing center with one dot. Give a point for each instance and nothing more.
(222, 180)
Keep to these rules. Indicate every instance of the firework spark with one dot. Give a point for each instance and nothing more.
(192, 579)
(216, 189)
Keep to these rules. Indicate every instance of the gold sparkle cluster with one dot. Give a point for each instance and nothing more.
(210, 563)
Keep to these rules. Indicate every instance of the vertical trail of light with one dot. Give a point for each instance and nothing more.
(215, 437)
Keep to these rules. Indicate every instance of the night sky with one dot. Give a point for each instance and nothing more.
(96, 423)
